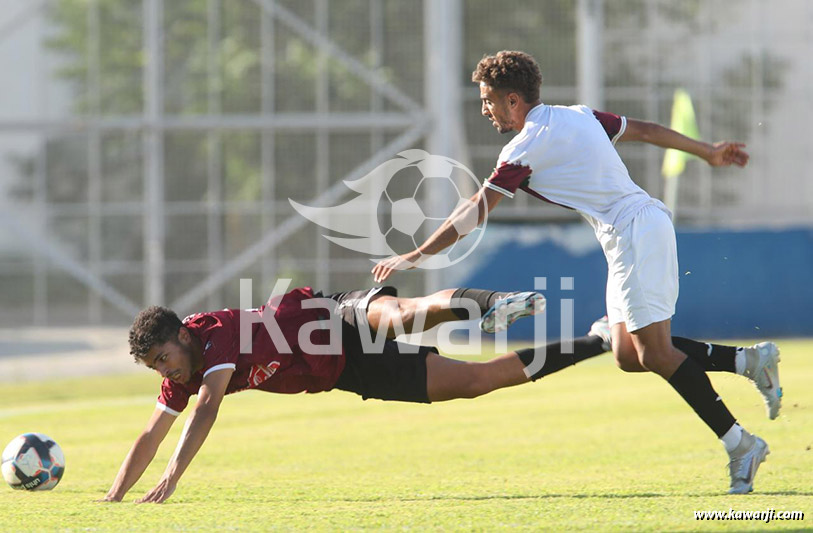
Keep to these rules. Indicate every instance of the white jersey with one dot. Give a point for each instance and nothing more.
(566, 155)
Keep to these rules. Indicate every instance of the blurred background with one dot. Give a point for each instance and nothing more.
(149, 149)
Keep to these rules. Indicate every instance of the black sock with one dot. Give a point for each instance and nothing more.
(484, 299)
(721, 358)
(553, 358)
(694, 386)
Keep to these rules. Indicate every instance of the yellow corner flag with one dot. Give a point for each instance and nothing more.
(683, 121)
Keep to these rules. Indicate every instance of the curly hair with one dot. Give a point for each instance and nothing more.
(154, 325)
(512, 70)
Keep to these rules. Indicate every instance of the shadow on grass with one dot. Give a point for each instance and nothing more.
(600, 496)
(506, 497)
(784, 493)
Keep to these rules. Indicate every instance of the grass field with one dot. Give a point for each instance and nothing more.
(587, 449)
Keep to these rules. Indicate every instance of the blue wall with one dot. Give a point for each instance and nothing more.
(733, 284)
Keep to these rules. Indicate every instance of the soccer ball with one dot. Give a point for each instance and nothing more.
(407, 215)
(33, 461)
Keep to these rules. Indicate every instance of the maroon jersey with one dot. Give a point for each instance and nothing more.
(267, 366)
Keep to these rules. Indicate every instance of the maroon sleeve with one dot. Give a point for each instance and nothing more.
(611, 123)
(508, 177)
(222, 346)
(219, 334)
(173, 396)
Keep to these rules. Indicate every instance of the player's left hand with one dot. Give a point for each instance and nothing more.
(724, 154)
(160, 493)
(386, 267)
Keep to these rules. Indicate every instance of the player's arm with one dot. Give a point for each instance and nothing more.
(462, 221)
(141, 454)
(717, 154)
(195, 431)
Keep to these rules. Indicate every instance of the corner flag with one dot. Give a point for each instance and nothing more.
(674, 161)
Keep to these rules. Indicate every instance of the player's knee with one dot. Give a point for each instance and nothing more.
(406, 313)
(478, 383)
(628, 365)
(394, 315)
(654, 359)
(399, 311)
(627, 360)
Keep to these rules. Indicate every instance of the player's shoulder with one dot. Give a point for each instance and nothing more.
(219, 314)
(585, 118)
(576, 112)
(209, 322)
(219, 335)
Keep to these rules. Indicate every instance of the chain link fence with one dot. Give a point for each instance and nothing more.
(149, 149)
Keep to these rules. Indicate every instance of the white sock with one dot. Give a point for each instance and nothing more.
(739, 361)
(732, 438)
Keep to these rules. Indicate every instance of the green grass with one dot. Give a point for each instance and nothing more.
(587, 449)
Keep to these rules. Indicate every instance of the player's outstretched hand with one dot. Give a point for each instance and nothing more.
(727, 153)
(160, 493)
(386, 267)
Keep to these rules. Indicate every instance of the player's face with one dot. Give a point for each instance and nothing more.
(498, 107)
(173, 359)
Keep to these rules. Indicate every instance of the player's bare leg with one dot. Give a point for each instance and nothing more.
(758, 363)
(419, 314)
(656, 353)
(626, 356)
(430, 311)
(448, 379)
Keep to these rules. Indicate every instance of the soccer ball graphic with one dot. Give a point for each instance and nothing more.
(399, 204)
(33, 461)
(419, 198)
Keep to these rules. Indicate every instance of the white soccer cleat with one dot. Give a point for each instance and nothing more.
(745, 461)
(508, 310)
(762, 367)
(601, 328)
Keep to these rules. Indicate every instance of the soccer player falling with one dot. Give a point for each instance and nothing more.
(566, 155)
(206, 355)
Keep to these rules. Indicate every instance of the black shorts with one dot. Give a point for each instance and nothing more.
(352, 305)
(394, 371)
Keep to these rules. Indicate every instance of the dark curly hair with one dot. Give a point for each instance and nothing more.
(512, 70)
(154, 325)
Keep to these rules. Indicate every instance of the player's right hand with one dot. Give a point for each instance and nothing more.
(160, 493)
(724, 154)
(387, 267)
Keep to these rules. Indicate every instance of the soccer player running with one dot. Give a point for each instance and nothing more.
(566, 155)
(290, 351)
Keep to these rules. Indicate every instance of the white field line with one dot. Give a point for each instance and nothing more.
(77, 405)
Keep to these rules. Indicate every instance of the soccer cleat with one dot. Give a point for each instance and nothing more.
(745, 461)
(601, 328)
(507, 310)
(762, 367)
